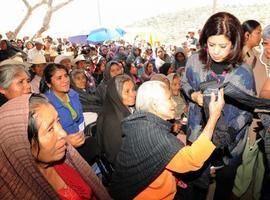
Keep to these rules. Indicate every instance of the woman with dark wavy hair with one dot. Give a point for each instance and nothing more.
(218, 62)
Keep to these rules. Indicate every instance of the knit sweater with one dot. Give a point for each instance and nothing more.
(147, 148)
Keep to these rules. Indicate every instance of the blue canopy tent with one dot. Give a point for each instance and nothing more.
(101, 34)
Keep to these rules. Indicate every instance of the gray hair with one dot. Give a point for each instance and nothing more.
(119, 82)
(9, 72)
(148, 93)
(266, 32)
(73, 74)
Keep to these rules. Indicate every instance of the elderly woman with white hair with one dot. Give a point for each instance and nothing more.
(14, 80)
(150, 154)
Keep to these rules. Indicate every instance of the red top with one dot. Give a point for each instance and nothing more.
(76, 187)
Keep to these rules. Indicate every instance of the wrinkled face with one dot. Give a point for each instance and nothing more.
(115, 70)
(80, 81)
(51, 136)
(165, 105)
(253, 39)
(128, 93)
(266, 48)
(219, 47)
(175, 86)
(59, 81)
(39, 69)
(19, 86)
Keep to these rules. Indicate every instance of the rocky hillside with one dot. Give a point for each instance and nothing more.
(172, 27)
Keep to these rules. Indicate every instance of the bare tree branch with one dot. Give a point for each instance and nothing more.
(26, 4)
(39, 4)
(48, 16)
(46, 20)
(57, 7)
(30, 9)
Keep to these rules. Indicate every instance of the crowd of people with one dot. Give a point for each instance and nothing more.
(135, 121)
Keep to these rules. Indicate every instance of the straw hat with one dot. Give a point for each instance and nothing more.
(15, 61)
(61, 57)
(80, 57)
(38, 59)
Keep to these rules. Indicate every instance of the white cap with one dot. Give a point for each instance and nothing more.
(61, 57)
(38, 59)
(39, 40)
(80, 57)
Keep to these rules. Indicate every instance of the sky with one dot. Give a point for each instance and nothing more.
(80, 16)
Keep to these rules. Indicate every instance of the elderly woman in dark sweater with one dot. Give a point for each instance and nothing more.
(150, 154)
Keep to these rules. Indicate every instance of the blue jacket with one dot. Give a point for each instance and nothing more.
(68, 124)
(235, 117)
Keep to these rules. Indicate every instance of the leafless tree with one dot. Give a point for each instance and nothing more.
(46, 20)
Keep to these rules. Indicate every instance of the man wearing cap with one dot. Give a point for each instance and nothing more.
(64, 59)
(38, 49)
(80, 63)
(39, 63)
